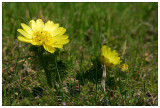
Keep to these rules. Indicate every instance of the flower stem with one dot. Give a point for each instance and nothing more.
(103, 84)
(48, 76)
(47, 72)
(103, 77)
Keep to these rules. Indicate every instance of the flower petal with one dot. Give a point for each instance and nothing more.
(33, 26)
(27, 28)
(24, 33)
(49, 48)
(50, 26)
(63, 39)
(23, 39)
(39, 24)
(57, 45)
(58, 31)
(60, 37)
(35, 43)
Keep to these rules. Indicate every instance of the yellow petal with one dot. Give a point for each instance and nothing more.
(60, 37)
(49, 48)
(35, 43)
(23, 39)
(33, 26)
(63, 39)
(24, 33)
(57, 45)
(115, 53)
(103, 50)
(27, 28)
(50, 26)
(58, 31)
(63, 31)
(39, 24)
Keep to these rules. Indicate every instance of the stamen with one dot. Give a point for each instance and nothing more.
(41, 37)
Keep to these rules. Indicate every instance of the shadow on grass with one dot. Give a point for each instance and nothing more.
(94, 74)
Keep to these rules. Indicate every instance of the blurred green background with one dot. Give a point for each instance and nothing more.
(129, 28)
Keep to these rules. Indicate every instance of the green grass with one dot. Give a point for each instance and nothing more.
(129, 28)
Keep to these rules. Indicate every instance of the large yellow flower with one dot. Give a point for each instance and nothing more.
(50, 35)
(108, 57)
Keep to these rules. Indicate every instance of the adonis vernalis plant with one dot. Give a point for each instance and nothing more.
(49, 35)
(109, 59)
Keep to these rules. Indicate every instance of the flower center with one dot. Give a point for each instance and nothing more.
(41, 37)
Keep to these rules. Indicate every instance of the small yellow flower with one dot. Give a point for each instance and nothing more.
(50, 35)
(16, 93)
(108, 57)
(124, 67)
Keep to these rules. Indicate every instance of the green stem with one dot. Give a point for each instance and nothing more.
(115, 78)
(48, 76)
(47, 72)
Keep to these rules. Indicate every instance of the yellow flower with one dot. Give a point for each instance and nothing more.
(108, 57)
(124, 67)
(50, 35)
